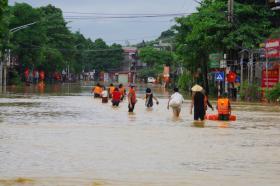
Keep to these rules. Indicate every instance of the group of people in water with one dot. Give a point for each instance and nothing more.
(116, 94)
(199, 104)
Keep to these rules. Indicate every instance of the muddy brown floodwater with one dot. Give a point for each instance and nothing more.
(63, 136)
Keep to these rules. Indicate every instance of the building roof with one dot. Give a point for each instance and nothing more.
(130, 49)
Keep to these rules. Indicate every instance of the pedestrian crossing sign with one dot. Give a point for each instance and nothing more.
(220, 76)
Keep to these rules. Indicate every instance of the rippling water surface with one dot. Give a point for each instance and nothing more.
(63, 136)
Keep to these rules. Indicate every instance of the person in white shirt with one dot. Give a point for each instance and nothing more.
(175, 101)
(104, 95)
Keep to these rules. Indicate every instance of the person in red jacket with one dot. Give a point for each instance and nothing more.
(116, 97)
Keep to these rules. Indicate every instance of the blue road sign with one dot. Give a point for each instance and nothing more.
(220, 76)
(238, 79)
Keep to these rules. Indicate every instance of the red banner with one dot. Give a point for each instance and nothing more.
(231, 77)
(271, 79)
(272, 47)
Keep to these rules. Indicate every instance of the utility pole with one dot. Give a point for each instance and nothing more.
(228, 55)
(241, 69)
(250, 67)
(230, 10)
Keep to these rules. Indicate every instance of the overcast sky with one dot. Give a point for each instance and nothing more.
(120, 30)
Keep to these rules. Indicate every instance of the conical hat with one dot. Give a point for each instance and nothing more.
(197, 88)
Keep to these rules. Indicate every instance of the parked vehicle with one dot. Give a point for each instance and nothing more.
(151, 80)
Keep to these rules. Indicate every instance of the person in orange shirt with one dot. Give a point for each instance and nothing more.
(131, 98)
(122, 91)
(224, 108)
(97, 90)
(111, 90)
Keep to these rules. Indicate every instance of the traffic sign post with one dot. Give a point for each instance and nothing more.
(215, 59)
(220, 76)
(223, 63)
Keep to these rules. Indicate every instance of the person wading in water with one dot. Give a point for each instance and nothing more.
(97, 91)
(104, 95)
(149, 98)
(175, 102)
(122, 91)
(131, 98)
(224, 108)
(111, 90)
(199, 103)
(116, 97)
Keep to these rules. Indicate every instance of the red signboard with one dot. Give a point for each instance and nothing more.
(272, 47)
(231, 77)
(271, 79)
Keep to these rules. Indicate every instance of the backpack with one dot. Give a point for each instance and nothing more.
(175, 102)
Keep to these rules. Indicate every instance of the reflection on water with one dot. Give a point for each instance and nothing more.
(63, 136)
(199, 124)
(223, 124)
(17, 181)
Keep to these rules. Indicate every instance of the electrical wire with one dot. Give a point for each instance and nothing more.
(122, 17)
(65, 49)
(127, 14)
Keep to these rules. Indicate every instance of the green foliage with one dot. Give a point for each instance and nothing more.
(155, 60)
(274, 93)
(275, 34)
(149, 72)
(152, 56)
(149, 55)
(104, 57)
(251, 27)
(167, 34)
(50, 45)
(14, 78)
(3, 25)
(166, 37)
(250, 92)
(3, 5)
(200, 34)
(185, 81)
(208, 31)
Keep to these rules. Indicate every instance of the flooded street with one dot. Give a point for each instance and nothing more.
(63, 136)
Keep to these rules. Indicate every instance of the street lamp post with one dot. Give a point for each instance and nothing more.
(3, 66)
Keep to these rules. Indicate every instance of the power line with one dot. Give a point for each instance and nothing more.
(133, 39)
(123, 17)
(126, 21)
(199, 2)
(66, 49)
(127, 14)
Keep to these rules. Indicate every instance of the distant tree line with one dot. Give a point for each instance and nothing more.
(49, 44)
